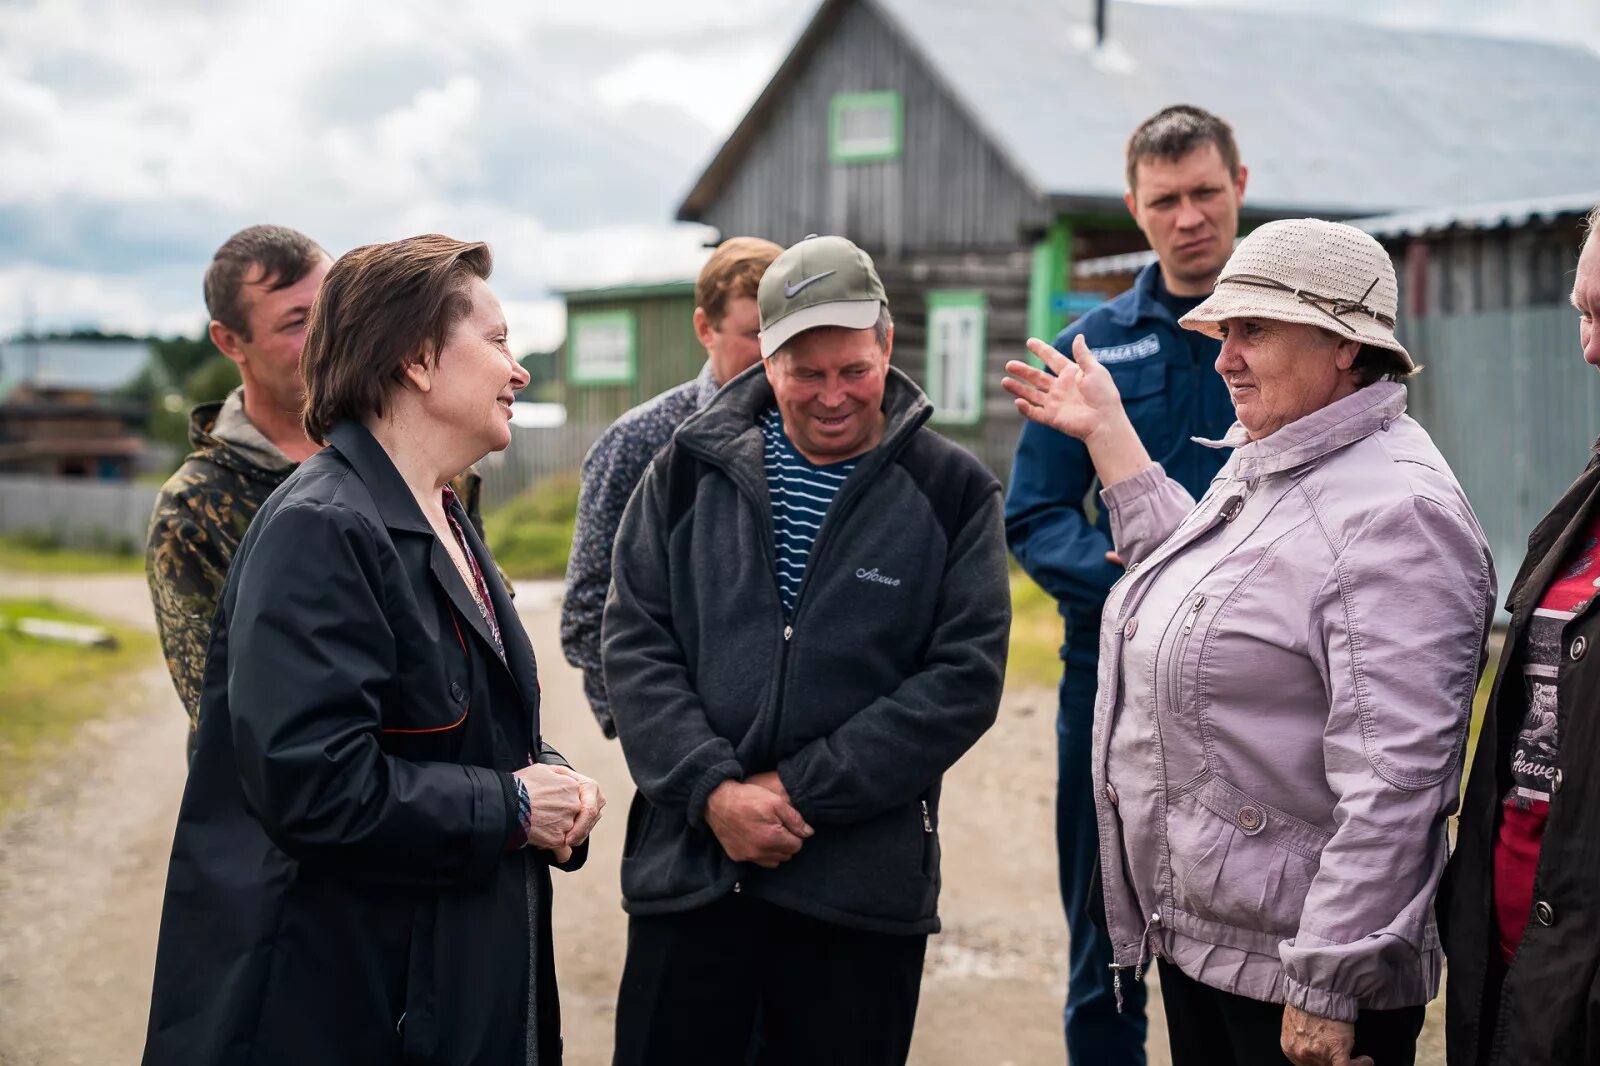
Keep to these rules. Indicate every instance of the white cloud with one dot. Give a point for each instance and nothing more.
(138, 134)
(704, 83)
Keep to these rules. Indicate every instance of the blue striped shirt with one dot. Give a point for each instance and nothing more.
(800, 492)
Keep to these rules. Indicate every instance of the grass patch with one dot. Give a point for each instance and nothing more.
(51, 688)
(34, 554)
(1036, 630)
(531, 535)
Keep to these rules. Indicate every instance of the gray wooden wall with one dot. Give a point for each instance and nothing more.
(1003, 277)
(949, 189)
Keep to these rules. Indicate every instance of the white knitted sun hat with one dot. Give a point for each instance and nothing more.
(1306, 270)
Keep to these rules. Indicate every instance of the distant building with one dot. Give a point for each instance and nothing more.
(59, 415)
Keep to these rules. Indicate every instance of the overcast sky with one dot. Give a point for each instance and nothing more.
(136, 135)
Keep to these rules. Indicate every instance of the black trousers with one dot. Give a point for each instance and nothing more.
(1209, 1027)
(746, 983)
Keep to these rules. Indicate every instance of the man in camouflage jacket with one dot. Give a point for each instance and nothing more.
(259, 289)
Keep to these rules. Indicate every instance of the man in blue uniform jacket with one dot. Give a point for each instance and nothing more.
(1185, 184)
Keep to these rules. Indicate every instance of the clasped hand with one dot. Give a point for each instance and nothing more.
(564, 807)
(755, 822)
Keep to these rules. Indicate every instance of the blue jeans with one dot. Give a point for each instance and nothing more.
(1095, 1032)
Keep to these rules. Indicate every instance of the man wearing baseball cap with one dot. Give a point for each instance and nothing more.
(806, 628)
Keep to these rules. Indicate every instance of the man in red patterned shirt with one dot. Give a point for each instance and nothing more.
(1521, 899)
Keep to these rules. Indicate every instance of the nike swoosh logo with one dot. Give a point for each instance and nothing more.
(791, 291)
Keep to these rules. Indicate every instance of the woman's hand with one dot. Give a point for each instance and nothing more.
(1081, 401)
(1312, 1041)
(555, 800)
(591, 801)
(1078, 398)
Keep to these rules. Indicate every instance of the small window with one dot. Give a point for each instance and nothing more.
(957, 347)
(601, 348)
(864, 127)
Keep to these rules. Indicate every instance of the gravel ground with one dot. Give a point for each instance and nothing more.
(84, 864)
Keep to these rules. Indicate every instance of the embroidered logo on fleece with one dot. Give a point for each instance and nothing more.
(1143, 348)
(876, 578)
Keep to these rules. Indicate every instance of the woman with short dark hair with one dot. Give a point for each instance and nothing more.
(360, 872)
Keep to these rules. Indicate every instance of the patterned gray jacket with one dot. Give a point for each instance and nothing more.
(611, 471)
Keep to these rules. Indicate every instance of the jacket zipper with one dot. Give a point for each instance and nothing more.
(927, 819)
(831, 519)
(1175, 660)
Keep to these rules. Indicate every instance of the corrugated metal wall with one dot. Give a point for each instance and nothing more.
(1510, 402)
(949, 189)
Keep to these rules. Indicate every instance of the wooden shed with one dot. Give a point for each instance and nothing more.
(624, 344)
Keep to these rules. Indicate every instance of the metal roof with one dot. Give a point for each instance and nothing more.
(1505, 214)
(1333, 116)
(1328, 112)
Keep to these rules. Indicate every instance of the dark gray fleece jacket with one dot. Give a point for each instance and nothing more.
(888, 670)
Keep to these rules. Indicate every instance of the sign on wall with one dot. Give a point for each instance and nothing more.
(602, 347)
(957, 349)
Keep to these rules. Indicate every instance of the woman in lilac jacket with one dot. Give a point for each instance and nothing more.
(1286, 670)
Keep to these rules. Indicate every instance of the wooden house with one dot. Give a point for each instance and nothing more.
(976, 150)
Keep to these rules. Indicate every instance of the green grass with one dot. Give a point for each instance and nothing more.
(531, 535)
(51, 688)
(1035, 656)
(30, 553)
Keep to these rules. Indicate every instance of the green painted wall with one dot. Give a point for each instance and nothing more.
(667, 351)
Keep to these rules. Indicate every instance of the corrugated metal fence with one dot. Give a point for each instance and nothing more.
(1510, 402)
(92, 515)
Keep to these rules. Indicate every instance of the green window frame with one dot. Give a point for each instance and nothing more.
(847, 145)
(602, 348)
(957, 355)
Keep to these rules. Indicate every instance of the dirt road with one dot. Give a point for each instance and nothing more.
(82, 870)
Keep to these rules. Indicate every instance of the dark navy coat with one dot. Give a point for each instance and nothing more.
(341, 889)
(1172, 392)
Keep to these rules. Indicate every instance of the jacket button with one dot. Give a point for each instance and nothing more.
(1111, 795)
(1249, 819)
(1579, 646)
(1130, 629)
(1555, 782)
(737, 888)
(1545, 913)
(456, 691)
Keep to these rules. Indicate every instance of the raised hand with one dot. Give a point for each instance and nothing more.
(1081, 400)
(1078, 397)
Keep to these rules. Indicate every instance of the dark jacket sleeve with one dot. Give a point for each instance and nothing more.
(311, 656)
(1046, 526)
(892, 750)
(186, 572)
(611, 472)
(674, 755)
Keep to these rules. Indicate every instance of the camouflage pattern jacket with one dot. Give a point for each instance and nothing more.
(200, 516)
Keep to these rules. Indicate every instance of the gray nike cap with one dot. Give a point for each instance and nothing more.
(822, 281)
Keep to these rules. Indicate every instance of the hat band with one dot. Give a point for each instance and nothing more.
(1331, 306)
